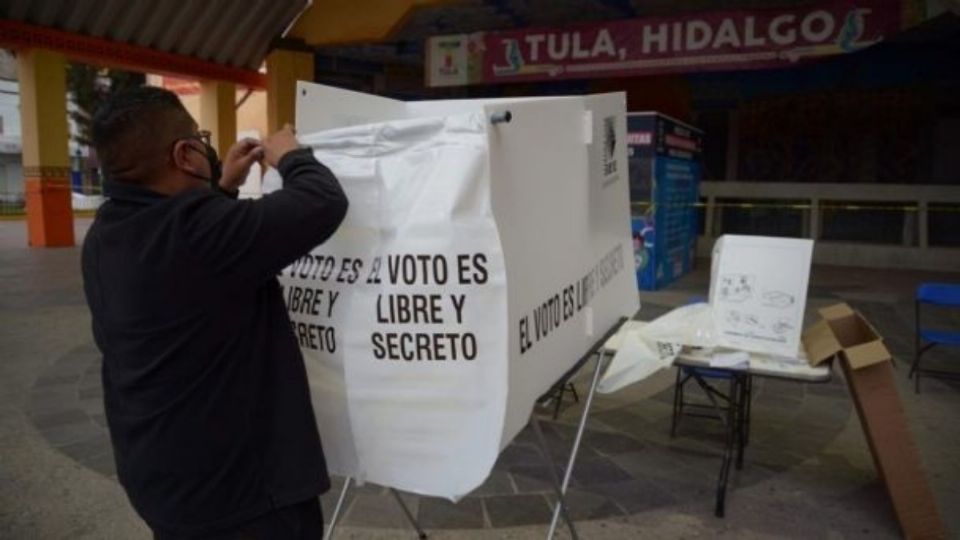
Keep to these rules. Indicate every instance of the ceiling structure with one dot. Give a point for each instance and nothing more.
(216, 38)
(222, 31)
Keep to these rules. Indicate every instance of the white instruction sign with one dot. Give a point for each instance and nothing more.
(758, 291)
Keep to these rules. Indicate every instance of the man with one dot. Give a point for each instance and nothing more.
(205, 390)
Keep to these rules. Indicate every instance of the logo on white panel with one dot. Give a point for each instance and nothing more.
(609, 150)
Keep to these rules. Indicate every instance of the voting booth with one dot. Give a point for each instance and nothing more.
(486, 248)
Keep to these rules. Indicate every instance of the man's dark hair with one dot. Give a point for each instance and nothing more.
(134, 130)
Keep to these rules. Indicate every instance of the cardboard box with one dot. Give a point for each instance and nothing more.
(841, 329)
(845, 334)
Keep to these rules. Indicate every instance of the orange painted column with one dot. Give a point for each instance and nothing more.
(284, 69)
(218, 113)
(46, 161)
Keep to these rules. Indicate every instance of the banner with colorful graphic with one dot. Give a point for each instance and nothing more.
(715, 41)
(664, 157)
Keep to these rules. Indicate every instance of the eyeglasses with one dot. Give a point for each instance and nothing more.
(204, 136)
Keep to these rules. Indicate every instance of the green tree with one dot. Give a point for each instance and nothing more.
(89, 86)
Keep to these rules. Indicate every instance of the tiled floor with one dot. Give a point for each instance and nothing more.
(808, 471)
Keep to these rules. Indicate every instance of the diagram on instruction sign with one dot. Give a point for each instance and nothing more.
(736, 287)
(782, 326)
(778, 299)
(748, 321)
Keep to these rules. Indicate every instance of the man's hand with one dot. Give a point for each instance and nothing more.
(277, 145)
(237, 162)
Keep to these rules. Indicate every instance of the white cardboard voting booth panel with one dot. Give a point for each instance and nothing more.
(476, 264)
(758, 292)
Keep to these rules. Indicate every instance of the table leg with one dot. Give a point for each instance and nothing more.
(709, 391)
(742, 407)
(749, 396)
(732, 428)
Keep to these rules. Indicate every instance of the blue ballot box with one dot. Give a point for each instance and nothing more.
(664, 162)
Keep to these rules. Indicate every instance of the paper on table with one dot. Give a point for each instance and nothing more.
(731, 360)
(797, 360)
(637, 358)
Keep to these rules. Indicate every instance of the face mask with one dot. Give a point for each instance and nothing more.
(216, 167)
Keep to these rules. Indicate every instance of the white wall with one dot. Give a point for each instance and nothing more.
(10, 109)
(11, 172)
(11, 176)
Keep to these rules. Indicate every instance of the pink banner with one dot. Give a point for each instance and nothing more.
(733, 40)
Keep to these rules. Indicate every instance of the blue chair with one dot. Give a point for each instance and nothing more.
(935, 294)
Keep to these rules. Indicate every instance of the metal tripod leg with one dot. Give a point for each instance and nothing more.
(601, 355)
(335, 518)
(406, 511)
(555, 480)
(336, 511)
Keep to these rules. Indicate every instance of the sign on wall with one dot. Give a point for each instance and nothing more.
(714, 41)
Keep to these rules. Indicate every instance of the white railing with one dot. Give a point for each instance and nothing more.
(13, 203)
(812, 200)
(86, 202)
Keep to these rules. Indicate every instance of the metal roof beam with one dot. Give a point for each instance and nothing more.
(98, 51)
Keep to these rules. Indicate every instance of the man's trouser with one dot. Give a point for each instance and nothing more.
(301, 521)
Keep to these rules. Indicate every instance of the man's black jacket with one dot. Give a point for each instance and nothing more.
(205, 389)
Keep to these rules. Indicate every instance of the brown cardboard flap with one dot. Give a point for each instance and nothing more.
(844, 330)
(895, 455)
(836, 311)
(852, 330)
(869, 374)
(869, 325)
(820, 343)
(843, 311)
(867, 354)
